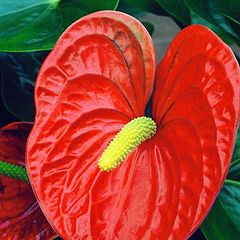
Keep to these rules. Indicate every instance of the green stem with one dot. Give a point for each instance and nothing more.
(13, 171)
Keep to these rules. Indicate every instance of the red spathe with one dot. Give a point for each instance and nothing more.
(98, 77)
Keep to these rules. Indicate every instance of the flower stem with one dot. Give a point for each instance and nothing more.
(13, 171)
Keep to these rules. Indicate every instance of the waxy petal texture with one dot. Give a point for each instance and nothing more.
(196, 106)
(20, 214)
(102, 44)
(98, 77)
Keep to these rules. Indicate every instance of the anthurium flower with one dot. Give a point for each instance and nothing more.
(20, 214)
(91, 96)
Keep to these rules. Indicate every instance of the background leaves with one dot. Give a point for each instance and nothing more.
(234, 172)
(215, 14)
(18, 74)
(177, 9)
(5, 116)
(36, 24)
(223, 222)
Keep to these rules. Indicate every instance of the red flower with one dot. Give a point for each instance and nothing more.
(20, 215)
(98, 77)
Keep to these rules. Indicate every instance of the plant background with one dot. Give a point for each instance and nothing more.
(30, 28)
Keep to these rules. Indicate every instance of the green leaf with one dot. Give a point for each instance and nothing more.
(234, 172)
(223, 221)
(195, 19)
(177, 9)
(230, 196)
(18, 74)
(138, 8)
(145, 5)
(5, 116)
(220, 14)
(36, 24)
(229, 8)
(236, 152)
(149, 26)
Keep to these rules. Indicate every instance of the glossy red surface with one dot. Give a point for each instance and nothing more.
(20, 215)
(98, 77)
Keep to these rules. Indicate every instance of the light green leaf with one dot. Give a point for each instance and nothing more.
(36, 24)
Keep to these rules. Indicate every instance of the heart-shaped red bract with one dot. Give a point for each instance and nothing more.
(20, 214)
(98, 77)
